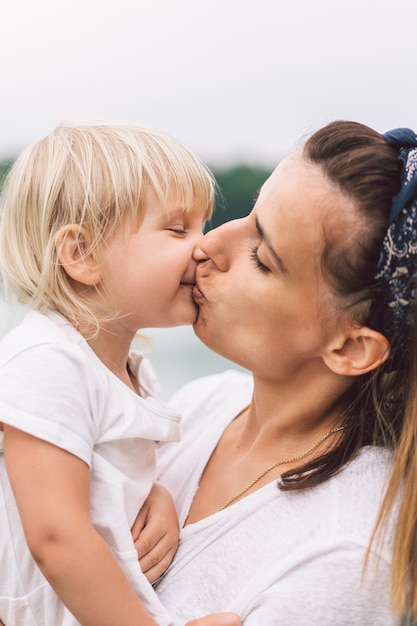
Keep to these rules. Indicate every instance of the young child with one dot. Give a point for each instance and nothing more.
(98, 227)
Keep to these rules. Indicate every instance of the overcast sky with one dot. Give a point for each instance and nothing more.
(236, 80)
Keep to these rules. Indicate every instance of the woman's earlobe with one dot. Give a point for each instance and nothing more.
(363, 351)
(72, 245)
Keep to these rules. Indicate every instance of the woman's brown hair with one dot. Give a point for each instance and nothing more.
(380, 408)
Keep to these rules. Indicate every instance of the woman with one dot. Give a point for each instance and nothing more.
(278, 482)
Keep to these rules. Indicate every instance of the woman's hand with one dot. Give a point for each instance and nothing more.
(155, 532)
(217, 619)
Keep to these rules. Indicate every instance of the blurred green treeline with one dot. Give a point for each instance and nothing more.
(5, 165)
(238, 187)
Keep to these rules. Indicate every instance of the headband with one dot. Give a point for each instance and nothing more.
(396, 277)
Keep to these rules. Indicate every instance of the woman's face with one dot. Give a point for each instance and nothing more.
(263, 301)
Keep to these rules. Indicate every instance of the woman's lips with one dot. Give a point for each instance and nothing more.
(197, 293)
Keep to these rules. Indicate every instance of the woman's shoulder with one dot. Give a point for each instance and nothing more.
(213, 399)
(355, 494)
(373, 463)
(215, 388)
(362, 481)
(207, 405)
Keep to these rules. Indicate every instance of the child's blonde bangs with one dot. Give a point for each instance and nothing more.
(170, 168)
(124, 162)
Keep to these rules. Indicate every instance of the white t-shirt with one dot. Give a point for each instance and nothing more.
(53, 386)
(274, 557)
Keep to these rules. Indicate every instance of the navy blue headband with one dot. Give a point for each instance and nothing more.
(403, 138)
(392, 310)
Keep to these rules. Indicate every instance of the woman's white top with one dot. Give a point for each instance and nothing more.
(277, 558)
(53, 386)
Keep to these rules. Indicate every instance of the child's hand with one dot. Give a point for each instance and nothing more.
(155, 533)
(217, 619)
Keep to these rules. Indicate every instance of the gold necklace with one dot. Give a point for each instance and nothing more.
(284, 462)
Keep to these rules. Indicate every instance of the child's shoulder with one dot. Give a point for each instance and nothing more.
(37, 328)
(41, 337)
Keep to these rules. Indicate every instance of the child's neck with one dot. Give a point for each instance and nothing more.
(114, 352)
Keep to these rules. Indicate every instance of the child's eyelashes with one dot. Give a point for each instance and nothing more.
(258, 263)
(177, 229)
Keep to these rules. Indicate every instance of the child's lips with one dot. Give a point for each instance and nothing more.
(187, 285)
(188, 280)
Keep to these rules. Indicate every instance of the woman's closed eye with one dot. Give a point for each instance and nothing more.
(258, 263)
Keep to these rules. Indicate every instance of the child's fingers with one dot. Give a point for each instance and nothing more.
(154, 566)
(154, 558)
(146, 541)
(139, 523)
(155, 533)
(217, 619)
(156, 536)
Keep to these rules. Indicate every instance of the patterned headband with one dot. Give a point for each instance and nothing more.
(396, 278)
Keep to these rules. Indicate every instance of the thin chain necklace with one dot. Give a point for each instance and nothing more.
(284, 462)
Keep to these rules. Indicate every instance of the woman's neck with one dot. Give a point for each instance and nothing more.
(284, 426)
(292, 409)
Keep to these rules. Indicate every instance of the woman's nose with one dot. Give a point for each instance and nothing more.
(217, 245)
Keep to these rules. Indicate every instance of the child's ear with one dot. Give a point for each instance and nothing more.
(72, 246)
(362, 351)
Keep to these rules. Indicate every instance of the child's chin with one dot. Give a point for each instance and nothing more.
(189, 320)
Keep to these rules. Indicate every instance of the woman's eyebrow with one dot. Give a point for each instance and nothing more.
(268, 244)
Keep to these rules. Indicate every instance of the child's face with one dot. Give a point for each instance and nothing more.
(149, 274)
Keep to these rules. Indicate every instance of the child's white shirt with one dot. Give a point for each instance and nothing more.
(53, 386)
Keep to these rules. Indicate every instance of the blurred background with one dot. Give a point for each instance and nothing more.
(240, 82)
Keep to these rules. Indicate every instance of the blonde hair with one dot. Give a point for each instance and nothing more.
(93, 175)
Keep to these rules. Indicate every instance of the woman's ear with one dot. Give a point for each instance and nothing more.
(359, 353)
(72, 246)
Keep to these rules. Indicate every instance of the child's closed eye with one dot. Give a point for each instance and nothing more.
(178, 229)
